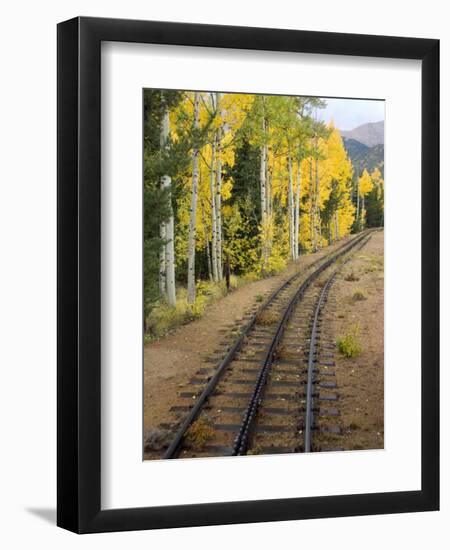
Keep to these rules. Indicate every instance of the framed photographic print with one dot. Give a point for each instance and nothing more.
(248, 256)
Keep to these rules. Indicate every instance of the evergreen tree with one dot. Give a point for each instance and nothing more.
(375, 201)
(163, 161)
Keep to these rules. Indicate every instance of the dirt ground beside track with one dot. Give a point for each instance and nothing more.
(360, 379)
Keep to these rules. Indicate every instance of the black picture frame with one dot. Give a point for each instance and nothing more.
(79, 280)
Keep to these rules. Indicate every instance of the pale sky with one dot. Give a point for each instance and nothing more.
(350, 113)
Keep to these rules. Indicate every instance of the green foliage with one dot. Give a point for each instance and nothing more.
(241, 239)
(276, 263)
(374, 208)
(245, 176)
(163, 318)
(172, 160)
(349, 344)
(237, 137)
(156, 202)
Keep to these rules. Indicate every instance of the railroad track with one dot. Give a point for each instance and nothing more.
(274, 383)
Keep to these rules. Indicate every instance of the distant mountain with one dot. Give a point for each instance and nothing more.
(363, 156)
(369, 134)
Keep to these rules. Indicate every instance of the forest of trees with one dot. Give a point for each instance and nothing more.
(242, 183)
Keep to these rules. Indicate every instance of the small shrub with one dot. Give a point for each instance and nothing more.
(349, 344)
(250, 277)
(266, 318)
(164, 318)
(275, 263)
(259, 297)
(235, 282)
(351, 277)
(199, 433)
(359, 295)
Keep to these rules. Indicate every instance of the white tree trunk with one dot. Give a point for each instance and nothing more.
(312, 206)
(336, 225)
(212, 187)
(170, 258)
(162, 257)
(268, 184)
(363, 214)
(193, 209)
(317, 223)
(169, 249)
(219, 194)
(219, 218)
(297, 210)
(265, 250)
(291, 207)
(262, 178)
(357, 204)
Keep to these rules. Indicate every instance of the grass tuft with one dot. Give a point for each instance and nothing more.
(359, 295)
(199, 433)
(164, 318)
(266, 318)
(351, 277)
(349, 344)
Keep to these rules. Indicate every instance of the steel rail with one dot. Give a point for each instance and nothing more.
(242, 439)
(309, 417)
(174, 447)
(309, 412)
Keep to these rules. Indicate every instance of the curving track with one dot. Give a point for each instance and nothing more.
(275, 381)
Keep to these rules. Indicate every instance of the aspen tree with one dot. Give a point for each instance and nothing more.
(357, 204)
(263, 174)
(336, 176)
(219, 194)
(375, 200)
(162, 256)
(311, 207)
(169, 225)
(193, 207)
(262, 178)
(316, 209)
(213, 212)
(365, 185)
(297, 209)
(291, 207)
(336, 226)
(164, 136)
